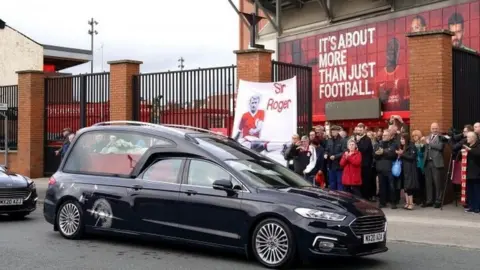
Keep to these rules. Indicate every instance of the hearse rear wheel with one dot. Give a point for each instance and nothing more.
(70, 220)
(273, 244)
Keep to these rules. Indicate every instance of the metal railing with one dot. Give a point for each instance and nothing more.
(9, 96)
(201, 98)
(73, 102)
(466, 88)
(284, 71)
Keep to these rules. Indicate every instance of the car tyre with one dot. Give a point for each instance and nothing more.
(70, 220)
(273, 244)
(19, 215)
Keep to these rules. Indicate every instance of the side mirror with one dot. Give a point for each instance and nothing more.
(223, 184)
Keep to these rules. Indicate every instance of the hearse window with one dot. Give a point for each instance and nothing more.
(166, 170)
(202, 173)
(107, 152)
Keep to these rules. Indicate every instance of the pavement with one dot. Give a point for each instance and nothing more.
(450, 227)
(32, 244)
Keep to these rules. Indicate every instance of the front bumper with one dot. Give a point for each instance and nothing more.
(29, 205)
(316, 238)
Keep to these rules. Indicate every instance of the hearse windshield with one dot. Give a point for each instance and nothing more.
(266, 174)
(258, 170)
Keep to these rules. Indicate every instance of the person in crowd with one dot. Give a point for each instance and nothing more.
(319, 160)
(290, 151)
(65, 133)
(476, 128)
(472, 149)
(364, 144)
(407, 152)
(321, 135)
(312, 135)
(457, 142)
(373, 175)
(336, 146)
(379, 134)
(434, 167)
(66, 145)
(343, 133)
(385, 155)
(351, 163)
(419, 141)
(304, 157)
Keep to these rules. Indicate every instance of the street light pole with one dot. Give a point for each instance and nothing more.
(181, 61)
(92, 32)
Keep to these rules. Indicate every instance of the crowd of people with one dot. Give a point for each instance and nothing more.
(385, 164)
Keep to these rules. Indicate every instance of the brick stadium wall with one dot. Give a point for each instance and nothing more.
(430, 73)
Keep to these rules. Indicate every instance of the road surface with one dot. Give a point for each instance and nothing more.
(31, 244)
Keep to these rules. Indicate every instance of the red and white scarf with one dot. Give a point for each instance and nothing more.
(463, 198)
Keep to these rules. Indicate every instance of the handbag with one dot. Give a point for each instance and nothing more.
(397, 168)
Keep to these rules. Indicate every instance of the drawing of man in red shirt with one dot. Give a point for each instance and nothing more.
(391, 85)
(251, 122)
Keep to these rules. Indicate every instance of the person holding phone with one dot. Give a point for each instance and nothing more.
(472, 149)
(384, 156)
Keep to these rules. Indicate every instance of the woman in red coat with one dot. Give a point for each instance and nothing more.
(351, 163)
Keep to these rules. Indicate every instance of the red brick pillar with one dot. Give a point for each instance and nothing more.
(121, 93)
(254, 65)
(430, 78)
(31, 111)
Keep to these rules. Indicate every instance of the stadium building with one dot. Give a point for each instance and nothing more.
(19, 52)
(357, 48)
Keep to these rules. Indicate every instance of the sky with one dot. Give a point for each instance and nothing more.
(157, 32)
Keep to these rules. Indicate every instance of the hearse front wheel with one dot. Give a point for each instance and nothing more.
(273, 244)
(70, 220)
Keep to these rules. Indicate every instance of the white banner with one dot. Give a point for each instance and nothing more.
(266, 116)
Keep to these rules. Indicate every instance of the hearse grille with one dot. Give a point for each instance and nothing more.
(368, 224)
(13, 193)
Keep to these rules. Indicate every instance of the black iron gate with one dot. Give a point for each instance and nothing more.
(466, 88)
(284, 71)
(72, 102)
(9, 96)
(201, 97)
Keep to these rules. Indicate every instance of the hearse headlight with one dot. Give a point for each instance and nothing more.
(317, 214)
(30, 182)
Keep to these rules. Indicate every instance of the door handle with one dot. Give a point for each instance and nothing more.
(137, 187)
(191, 192)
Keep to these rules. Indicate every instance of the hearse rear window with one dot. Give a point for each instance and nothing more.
(104, 152)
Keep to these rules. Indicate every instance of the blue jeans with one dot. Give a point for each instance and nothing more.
(335, 180)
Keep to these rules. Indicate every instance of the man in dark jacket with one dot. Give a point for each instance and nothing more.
(365, 146)
(336, 146)
(291, 151)
(472, 148)
(65, 133)
(385, 155)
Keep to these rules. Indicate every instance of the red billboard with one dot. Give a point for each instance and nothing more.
(371, 60)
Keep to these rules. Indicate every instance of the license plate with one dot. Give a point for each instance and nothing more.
(11, 201)
(373, 238)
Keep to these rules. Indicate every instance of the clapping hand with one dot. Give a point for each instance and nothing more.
(399, 152)
(379, 151)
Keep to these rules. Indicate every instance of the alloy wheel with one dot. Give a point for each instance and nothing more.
(271, 244)
(69, 219)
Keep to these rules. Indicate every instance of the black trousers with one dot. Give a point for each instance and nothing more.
(366, 188)
(355, 190)
(388, 191)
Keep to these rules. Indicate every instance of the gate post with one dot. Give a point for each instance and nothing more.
(31, 107)
(430, 79)
(254, 65)
(121, 88)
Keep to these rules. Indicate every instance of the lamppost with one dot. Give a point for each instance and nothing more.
(92, 32)
(181, 61)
